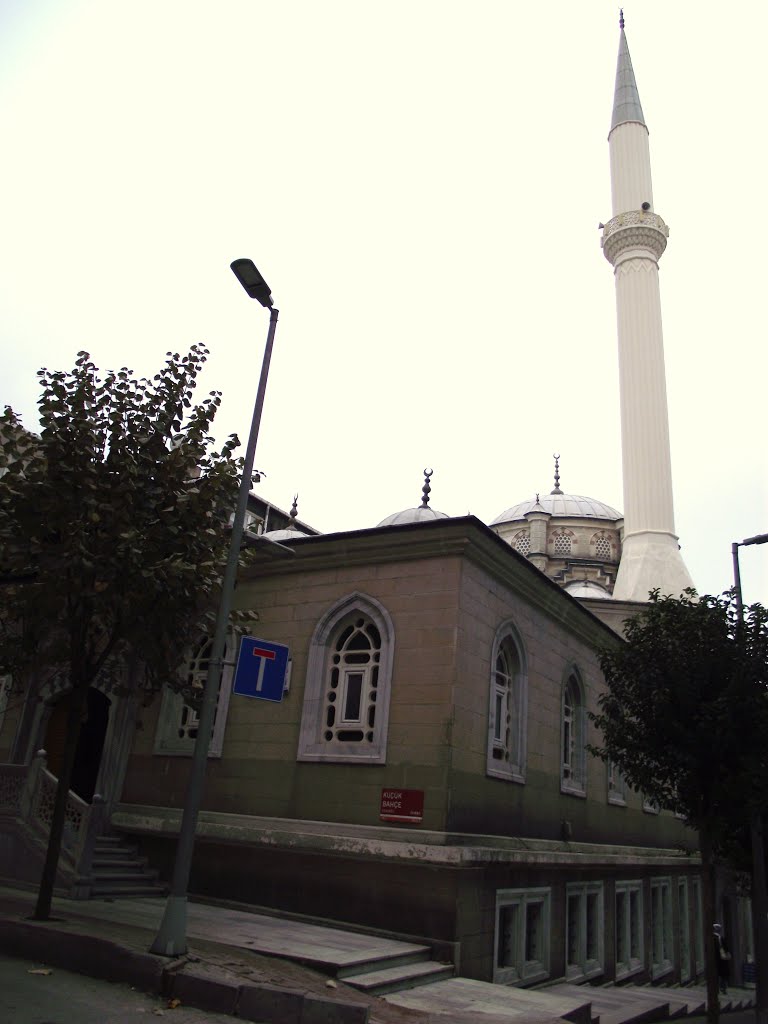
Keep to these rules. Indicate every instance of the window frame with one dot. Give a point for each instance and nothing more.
(617, 786)
(660, 913)
(522, 970)
(586, 966)
(684, 915)
(313, 746)
(507, 640)
(573, 734)
(634, 928)
(167, 740)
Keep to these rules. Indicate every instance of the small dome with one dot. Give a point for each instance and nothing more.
(289, 533)
(587, 588)
(413, 515)
(565, 506)
(421, 514)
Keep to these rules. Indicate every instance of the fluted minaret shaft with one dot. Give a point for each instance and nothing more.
(633, 242)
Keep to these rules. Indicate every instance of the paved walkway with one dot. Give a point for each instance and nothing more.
(246, 946)
(241, 946)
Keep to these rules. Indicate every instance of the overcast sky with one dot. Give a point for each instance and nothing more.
(420, 183)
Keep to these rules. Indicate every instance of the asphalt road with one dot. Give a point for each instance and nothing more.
(62, 997)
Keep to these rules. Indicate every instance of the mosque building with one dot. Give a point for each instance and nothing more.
(426, 771)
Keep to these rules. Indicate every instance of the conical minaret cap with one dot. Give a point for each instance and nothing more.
(626, 99)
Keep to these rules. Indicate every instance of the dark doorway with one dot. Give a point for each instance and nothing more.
(89, 746)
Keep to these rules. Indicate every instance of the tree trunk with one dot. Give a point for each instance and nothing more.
(708, 915)
(55, 836)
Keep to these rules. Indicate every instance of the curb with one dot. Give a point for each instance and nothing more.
(194, 985)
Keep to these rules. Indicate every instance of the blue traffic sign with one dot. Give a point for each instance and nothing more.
(261, 668)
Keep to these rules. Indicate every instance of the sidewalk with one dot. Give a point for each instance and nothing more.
(233, 960)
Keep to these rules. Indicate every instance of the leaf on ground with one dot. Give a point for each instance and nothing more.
(173, 1003)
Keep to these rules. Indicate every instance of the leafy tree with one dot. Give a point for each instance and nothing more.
(684, 719)
(112, 538)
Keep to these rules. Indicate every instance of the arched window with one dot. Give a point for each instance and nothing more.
(522, 542)
(507, 707)
(346, 697)
(178, 722)
(602, 546)
(573, 764)
(562, 542)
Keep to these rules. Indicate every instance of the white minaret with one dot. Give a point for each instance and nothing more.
(633, 241)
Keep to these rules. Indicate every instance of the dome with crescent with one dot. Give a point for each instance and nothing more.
(419, 514)
(573, 539)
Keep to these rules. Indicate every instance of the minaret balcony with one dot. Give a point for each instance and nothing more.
(635, 231)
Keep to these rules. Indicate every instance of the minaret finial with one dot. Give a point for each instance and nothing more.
(294, 510)
(426, 488)
(556, 488)
(621, 18)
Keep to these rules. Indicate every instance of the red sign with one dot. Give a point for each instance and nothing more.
(402, 805)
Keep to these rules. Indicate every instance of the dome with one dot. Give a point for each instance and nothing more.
(420, 514)
(565, 506)
(290, 532)
(281, 536)
(587, 588)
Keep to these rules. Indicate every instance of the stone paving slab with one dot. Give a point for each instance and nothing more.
(463, 995)
(310, 944)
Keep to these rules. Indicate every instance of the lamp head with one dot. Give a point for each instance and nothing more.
(257, 288)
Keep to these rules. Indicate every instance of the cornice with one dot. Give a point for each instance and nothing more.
(438, 849)
(633, 230)
(459, 537)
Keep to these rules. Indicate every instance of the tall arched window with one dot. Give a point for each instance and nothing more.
(507, 707)
(346, 697)
(573, 736)
(178, 722)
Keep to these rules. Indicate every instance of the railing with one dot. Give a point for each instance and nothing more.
(29, 793)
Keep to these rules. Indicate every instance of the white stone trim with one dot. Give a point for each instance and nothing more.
(573, 735)
(585, 965)
(513, 769)
(312, 745)
(518, 956)
(632, 938)
(662, 952)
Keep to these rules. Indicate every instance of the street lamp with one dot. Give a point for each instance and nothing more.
(760, 538)
(759, 884)
(171, 939)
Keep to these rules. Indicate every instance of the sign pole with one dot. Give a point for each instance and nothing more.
(171, 939)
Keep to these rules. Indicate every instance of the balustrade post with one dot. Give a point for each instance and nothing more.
(96, 817)
(31, 784)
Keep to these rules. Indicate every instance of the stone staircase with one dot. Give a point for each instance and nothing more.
(582, 1004)
(117, 871)
(378, 975)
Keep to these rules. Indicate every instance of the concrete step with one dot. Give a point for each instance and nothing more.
(102, 878)
(102, 865)
(736, 999)
(458, 997)
(681, 1002)
(401, 977)
(617, 1004)
(406, 954)
(115, 852)
(101, 890)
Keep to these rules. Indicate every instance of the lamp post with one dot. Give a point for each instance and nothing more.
(171, 939)
(759, 885)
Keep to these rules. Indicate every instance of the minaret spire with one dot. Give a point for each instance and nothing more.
(633, 242)
(626, 98)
